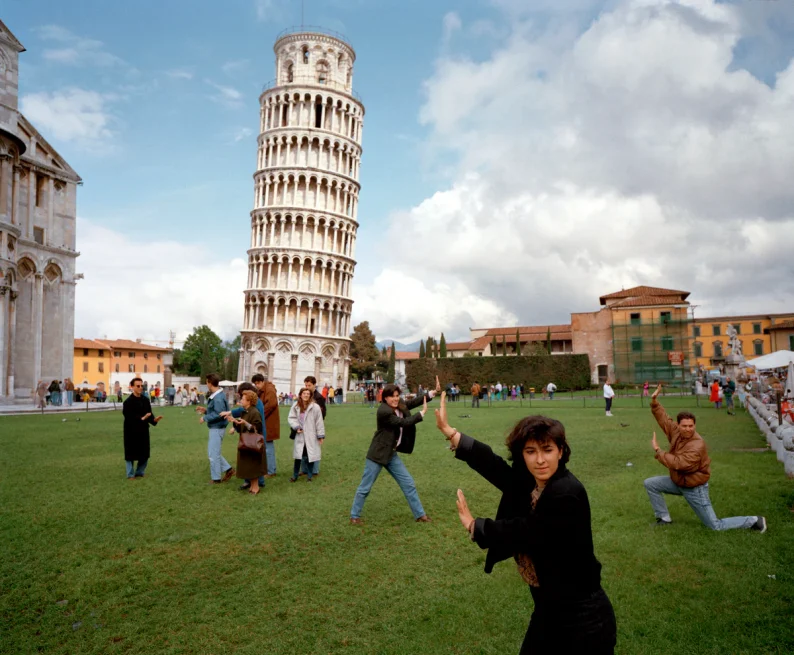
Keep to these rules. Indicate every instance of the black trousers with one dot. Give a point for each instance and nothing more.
(609, 404)
(582, 627)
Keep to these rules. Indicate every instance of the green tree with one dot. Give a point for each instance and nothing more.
(518, 343)
(421, 349)
(442, 347)
(364, 354)
(390, 371)
(494, 346)
(201, 353)
(548, 340)
(504, 345)
(429, 348)
(383, 350)
(231, 358)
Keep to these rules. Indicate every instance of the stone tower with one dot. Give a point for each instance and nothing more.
(304, 222)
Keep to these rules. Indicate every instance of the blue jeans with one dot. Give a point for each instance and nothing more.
(305, 463)
(69, 397)
(400, 474)
(698, 499)
(55, 398)
(270, 451)
(137, 473)
(218, 465)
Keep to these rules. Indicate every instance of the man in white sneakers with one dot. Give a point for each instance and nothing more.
(608, 396)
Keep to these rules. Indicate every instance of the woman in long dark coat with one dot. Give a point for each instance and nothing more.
(250, 465)
(543, 523)
(137, 411)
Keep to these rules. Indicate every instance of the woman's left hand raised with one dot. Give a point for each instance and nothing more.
(464, 514)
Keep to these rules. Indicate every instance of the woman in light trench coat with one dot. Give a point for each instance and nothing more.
(306, 419)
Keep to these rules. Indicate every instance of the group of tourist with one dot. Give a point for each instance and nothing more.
(543, 521)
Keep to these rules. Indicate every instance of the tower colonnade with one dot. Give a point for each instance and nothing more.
(301, 260)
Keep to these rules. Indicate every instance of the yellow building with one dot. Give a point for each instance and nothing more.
(756, 333)
(91, 364)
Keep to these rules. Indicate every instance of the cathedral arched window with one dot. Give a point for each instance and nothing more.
(322, 72)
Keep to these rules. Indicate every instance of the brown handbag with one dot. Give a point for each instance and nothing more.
(251, 441)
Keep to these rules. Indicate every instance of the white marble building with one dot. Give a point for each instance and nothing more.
(38, 192)
(303, 226)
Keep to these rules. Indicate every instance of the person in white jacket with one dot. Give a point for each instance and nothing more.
(306, 420)
(609, 394)
(551, 388)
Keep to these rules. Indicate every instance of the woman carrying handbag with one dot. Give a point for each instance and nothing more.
(251, 458)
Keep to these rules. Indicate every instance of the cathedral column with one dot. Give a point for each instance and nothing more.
(15, 199)
(12, 339)
(28, 231)
(322, 280)
(3, 339)
(335, 374)
(271, 362)
(37, 324)
(317, 365)
(293, 374)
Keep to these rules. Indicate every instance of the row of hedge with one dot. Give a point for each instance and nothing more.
(566, 371)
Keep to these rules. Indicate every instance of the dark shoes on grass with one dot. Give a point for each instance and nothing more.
(760, 524)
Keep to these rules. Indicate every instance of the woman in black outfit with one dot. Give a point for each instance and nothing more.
(543, 523)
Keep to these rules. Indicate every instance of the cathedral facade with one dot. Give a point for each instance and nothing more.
(38, 208)
(304, 222)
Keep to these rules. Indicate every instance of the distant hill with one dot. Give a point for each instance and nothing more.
(401, 347)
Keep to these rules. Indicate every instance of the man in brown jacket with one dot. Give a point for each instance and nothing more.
(475, 394)
(689, 466)
(269, 398)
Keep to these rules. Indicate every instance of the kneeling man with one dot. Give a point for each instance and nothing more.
(688, 462)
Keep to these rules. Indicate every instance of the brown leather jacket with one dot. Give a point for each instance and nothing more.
(475, 389)
(687, 459)
(267, 394)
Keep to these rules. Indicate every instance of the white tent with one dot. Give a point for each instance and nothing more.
(228, 383)
(778, 359)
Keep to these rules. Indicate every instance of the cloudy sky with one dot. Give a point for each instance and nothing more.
(520, 158)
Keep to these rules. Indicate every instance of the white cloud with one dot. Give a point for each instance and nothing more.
(77, 50)
(450, 24)
(630, 153)
(179, 74)
(242, 133)
(231, 66)
(270, 11)
(72, 115)
(226, 95)
(424, 309)
(142, 288)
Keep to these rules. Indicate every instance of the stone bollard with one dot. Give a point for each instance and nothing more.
(786, 434)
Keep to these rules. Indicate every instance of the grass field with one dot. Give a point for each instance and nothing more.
(93, 563)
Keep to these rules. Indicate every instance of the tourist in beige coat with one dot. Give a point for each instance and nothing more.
(306, 420)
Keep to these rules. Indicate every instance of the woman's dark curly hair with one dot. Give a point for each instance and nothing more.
(540, 429)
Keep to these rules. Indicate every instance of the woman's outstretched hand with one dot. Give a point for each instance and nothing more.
(464, 513)
(423, 411)
(442, 423)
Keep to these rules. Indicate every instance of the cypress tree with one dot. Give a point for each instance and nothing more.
(518, 343)
(429, 348)
(548, 340)
(494, 346)
(421, 349)
(390, 372)
(504, 346)
(443, 346)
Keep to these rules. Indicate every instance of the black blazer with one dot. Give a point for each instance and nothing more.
(557, 535)
(384, 441)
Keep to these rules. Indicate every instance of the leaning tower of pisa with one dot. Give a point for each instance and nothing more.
(304, 221)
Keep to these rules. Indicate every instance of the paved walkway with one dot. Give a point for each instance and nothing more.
(28, 409)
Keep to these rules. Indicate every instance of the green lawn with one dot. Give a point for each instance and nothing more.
(93, 563)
